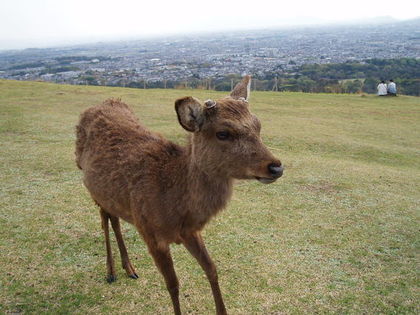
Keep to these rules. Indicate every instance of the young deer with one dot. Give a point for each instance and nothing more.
(167, 191)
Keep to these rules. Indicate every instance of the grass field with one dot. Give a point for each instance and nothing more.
(338, 233)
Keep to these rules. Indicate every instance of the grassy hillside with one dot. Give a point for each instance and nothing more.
(339, 232)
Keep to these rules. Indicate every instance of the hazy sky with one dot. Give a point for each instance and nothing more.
(40, 23)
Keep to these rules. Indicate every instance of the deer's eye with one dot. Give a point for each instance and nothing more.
(223, 135)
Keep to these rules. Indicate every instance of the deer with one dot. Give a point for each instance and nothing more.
(167, 191)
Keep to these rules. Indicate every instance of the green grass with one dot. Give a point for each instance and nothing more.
(338, 233)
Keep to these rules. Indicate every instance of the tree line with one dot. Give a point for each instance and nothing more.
(348, 77)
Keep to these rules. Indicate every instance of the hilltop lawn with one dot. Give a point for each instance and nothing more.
(338, 233)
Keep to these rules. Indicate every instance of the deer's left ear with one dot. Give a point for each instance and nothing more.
(242, 89)
(190, 113)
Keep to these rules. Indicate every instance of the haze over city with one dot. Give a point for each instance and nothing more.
(45, 23)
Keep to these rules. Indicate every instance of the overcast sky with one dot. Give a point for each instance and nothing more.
(41, 23)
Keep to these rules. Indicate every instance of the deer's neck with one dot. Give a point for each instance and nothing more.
(208, 188)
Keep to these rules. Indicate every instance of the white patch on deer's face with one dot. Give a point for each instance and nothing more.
(266, 180)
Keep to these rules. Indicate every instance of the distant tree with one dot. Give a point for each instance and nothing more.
(305, 84)
(222, 86)
(333, 88)
(90, 80)
(408, 86)
(352, 86)
(134, 84)
(369, 85)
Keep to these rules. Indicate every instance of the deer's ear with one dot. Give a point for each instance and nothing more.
(190, 113)
(242, 89)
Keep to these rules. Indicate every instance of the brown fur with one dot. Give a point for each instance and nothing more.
(167, 191)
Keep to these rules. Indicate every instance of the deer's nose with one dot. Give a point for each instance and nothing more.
(275, 170)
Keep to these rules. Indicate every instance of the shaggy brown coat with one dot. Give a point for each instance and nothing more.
(167, 191)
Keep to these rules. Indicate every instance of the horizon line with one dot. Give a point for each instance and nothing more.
(115, 38)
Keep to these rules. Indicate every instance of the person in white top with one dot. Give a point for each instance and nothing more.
(392, 88)
(382, 90)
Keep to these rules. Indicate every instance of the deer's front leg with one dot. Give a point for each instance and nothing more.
(195, 245)
(163, 260)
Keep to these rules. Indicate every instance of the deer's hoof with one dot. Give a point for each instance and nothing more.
(134, 276)
(111, 278)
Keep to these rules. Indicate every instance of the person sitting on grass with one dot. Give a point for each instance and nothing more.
(392, 88)
(382, 90)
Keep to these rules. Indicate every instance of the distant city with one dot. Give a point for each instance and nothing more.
(202, 58)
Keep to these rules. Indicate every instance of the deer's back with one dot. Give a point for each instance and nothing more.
(121, 158)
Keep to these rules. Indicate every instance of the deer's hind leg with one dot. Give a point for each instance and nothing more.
(125, 260)
(111, 275)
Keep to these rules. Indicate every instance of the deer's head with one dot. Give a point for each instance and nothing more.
(226, 136)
